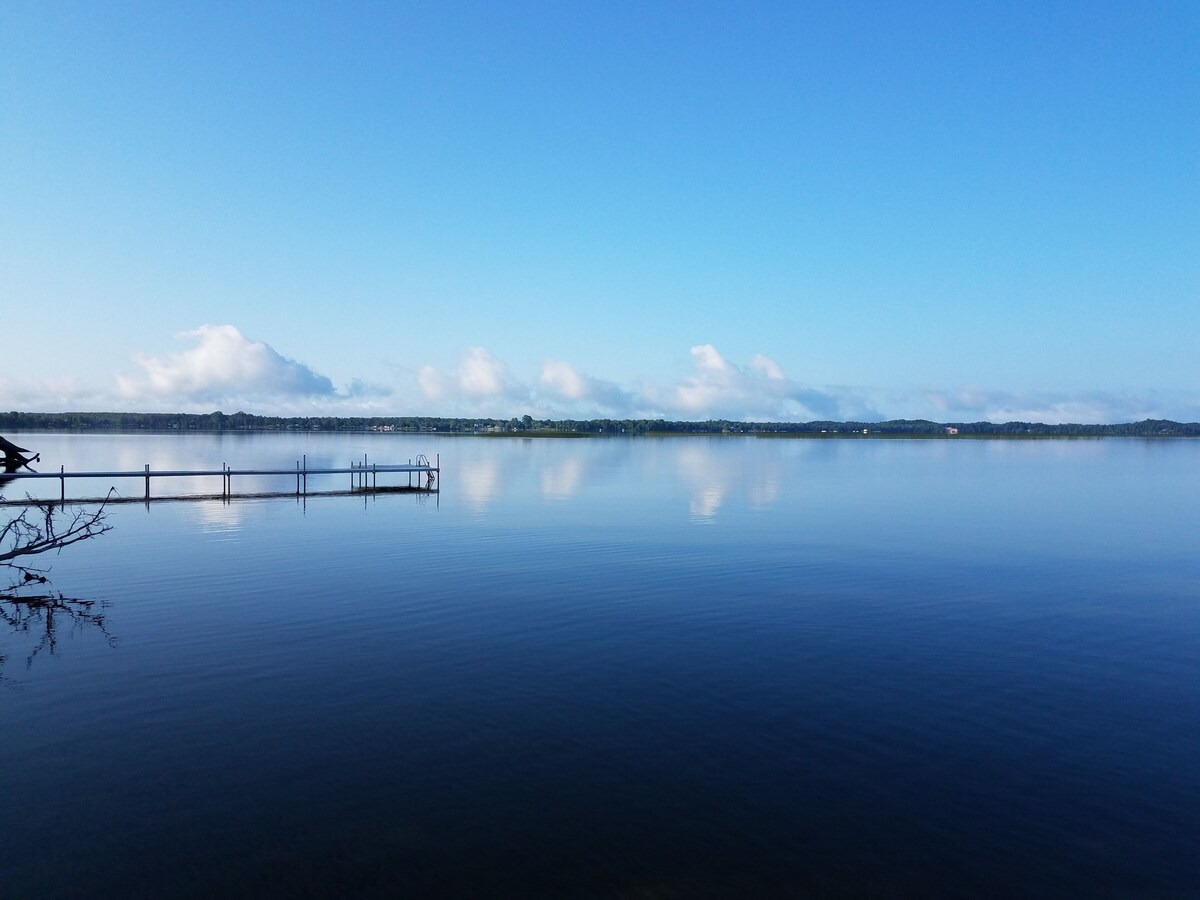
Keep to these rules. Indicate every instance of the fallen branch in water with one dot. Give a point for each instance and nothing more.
(40, 529)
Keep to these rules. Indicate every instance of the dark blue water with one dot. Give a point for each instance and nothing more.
(622, 668)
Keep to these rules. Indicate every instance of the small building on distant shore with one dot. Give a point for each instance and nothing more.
(950, 429)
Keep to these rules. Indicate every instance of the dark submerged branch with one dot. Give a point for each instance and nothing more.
(47, 613)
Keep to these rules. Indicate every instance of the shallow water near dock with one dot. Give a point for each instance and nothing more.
(619, 668)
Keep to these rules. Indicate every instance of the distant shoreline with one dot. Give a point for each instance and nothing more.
(529, 427)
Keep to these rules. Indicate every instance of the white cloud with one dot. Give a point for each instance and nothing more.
(479, 381)
(560, 381)
(766, 366)
(719, 389)
(223, 364)
(483, 385)
(482, 375)
(708, 359)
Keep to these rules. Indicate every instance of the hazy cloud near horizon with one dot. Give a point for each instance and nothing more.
(224, 369)
(760, 391)
(561, 382)
(480, 381)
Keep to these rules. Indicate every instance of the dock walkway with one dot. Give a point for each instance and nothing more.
(364, 476)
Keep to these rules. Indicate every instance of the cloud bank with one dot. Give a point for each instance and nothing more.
(224, 369)
(718, 388)
(223, 363)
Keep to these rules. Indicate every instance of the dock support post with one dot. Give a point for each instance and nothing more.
(305, 458)
(147, 482)
(62, 484)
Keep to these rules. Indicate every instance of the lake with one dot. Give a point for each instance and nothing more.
(618, 668)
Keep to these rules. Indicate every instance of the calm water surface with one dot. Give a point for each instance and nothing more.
(620, 668)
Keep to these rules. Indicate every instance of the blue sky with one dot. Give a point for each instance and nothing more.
(777, 211)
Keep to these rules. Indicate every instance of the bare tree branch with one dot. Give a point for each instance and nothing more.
(40, 528)
(37, 529)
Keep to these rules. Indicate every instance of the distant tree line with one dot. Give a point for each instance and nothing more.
(529, 426)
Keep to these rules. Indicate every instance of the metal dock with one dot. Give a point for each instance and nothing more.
(364, 478)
